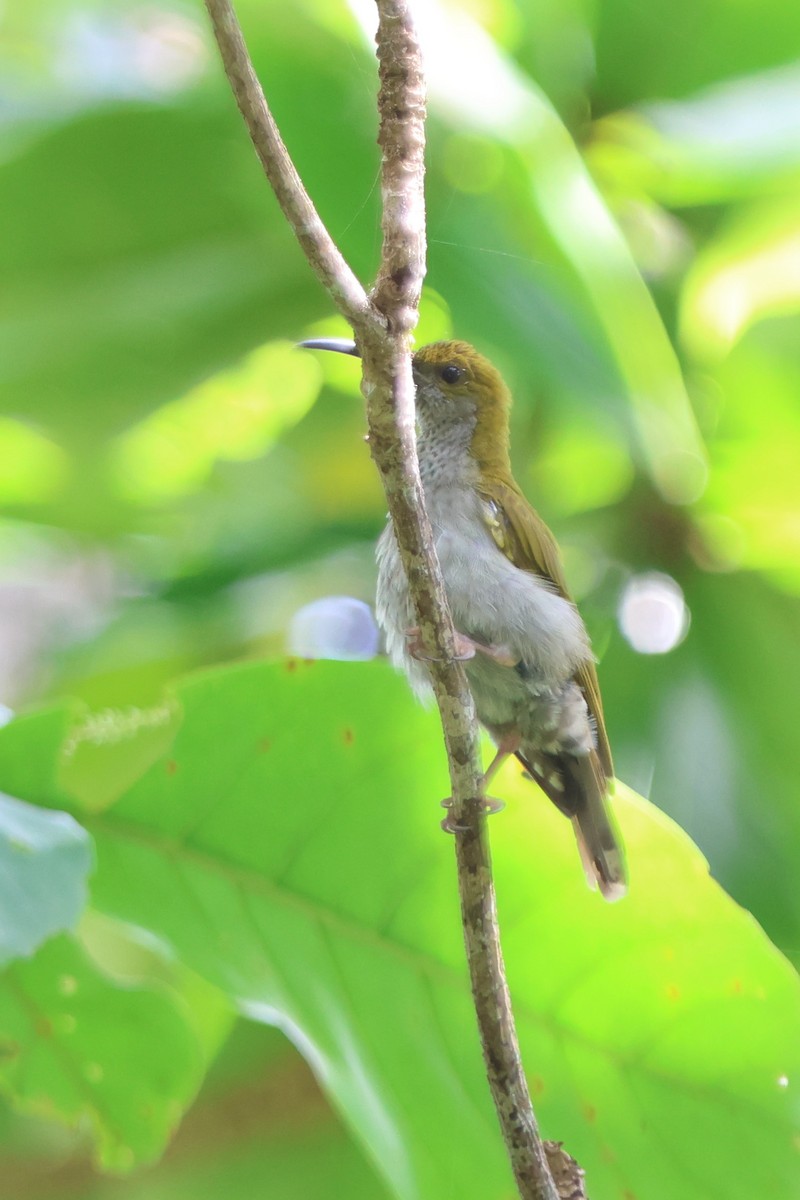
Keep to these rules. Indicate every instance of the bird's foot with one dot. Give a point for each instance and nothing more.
(465, 647)
(490, 806)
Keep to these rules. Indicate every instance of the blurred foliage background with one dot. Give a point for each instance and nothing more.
(614, 218)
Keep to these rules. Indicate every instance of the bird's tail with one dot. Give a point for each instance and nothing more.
(599, 845)
(579, 788)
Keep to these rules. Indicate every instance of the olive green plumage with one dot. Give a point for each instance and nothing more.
(528, 658)
(459, 389)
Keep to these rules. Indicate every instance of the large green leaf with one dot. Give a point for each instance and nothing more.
(287, 845)
(76, 1047)
(260, 1128)
(742, 621)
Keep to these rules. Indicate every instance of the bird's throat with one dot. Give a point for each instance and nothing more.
(444, 451)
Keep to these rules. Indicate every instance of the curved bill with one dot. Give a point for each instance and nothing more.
(340, 345)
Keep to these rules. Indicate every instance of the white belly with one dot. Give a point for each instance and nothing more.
(492, 601)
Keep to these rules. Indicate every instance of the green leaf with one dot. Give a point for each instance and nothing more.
(756, 820)
(748, 515)
(75, 1047)
(45, 858)
(747, 273)
(31, 755)
(288, 847)
(260, 1128)
(731, 142)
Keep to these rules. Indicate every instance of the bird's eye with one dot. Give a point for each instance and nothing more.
(451, 373)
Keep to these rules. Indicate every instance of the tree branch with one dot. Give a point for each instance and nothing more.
(317, 244)
(382, 326)
(401, 137)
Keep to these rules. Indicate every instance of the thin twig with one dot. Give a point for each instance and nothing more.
(323, 255)
(493, 1008)
(382, 326)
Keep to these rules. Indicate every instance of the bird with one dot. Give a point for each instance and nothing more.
(525, 648)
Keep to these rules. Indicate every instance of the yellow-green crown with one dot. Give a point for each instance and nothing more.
(479, 372)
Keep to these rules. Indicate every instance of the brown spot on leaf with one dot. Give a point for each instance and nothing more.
(44, 1028)
(172, 766)
(8, 1050)
(628, 1194)
(736, 987)
(536, 1085)
(673, 992)
(265, 744)
(291, 665)
(348, 737)
(590, 1112)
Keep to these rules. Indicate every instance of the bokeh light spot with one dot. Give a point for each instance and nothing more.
(336, 627)
(653, 615)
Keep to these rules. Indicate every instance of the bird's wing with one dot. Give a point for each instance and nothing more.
(522, 535)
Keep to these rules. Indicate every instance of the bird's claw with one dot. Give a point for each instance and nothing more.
(464, 647)
(490, 807)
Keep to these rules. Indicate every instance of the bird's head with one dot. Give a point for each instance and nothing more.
(456, 386)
